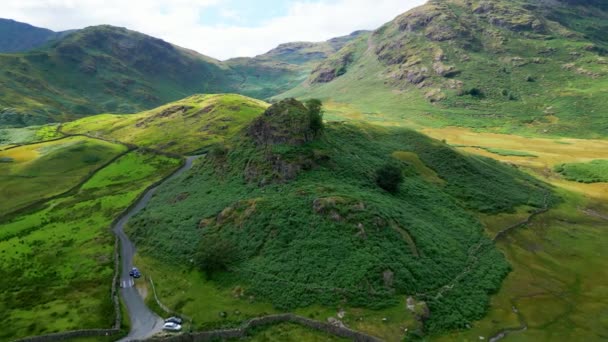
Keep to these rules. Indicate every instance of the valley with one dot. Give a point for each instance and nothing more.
(443, 177)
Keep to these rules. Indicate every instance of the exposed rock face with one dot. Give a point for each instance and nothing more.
(286, 122)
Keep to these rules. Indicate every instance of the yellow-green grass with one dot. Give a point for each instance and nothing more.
(549, 154)
(413, 159)
(15, 136)
(185, 126)
(33, 172)
(559, 282)
(58, 262)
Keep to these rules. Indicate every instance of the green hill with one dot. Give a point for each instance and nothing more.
(509, 66)
(192, 124)
(298, 220)
(16, 36)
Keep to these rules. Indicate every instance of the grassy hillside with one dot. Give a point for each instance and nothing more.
(32, 172)
(304, 223)
(507, 66)
(185, 126)
(57, 261)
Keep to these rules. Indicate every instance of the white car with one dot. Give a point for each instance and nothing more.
(170, 326)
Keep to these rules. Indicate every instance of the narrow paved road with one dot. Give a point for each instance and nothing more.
(144, 322)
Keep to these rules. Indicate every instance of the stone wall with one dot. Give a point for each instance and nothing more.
(269, 320)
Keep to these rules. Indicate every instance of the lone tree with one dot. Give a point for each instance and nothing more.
(389, 177)
(315, 115)
(215, 254)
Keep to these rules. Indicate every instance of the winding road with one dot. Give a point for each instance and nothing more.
(144, 322)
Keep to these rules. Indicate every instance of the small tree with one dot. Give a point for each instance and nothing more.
(315, 114)
(389, 177)
(215, 254)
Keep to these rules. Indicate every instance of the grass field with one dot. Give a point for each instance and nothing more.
(558, 283)
(182, 127)
(595, 171)
(29, 134)
(32, 172)
(58, 262)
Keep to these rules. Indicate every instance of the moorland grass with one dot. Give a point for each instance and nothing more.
(595, 171)
(33, 172)
(558, 280)
(57, 262)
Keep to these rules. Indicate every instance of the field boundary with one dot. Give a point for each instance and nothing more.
(70, 334)
(240, 332)
(36, 204)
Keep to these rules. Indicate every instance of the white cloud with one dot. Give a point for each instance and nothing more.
(178, 21)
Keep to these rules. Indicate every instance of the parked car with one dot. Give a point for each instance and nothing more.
(134, 273)
(170, 326)
(174, 319)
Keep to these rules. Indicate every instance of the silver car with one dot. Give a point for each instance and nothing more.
(170, 326)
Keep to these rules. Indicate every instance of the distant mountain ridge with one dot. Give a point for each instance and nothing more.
(17, 37)
(110, 69)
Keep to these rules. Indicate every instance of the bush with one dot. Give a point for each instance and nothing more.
(389, 177)
(218, 150)
(215, 254)
(315, 113)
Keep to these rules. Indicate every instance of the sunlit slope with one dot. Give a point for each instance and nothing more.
(184, 126)
(32, 172)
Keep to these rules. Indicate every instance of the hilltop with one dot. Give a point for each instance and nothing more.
(186, 126)
(296, 218)
(507, 66)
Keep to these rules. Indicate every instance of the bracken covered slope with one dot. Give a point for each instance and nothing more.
(302, 221)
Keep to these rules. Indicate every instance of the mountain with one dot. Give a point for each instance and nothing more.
(508, 66)
(18, 37)
(110, 69)
(284, 67)
(101, 69)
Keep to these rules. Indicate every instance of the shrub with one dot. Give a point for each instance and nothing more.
(389, 177)
(315, 113)
(218, 151)
(215, 254)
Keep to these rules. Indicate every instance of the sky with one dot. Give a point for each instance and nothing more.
(218, 28)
